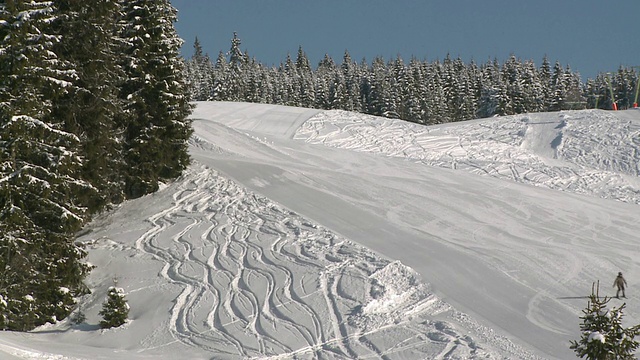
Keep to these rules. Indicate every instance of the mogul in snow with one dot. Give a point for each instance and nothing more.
(620, 282)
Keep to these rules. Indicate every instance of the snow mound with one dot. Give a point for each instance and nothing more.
(396, 295)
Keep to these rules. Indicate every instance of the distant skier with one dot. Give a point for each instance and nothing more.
(620, 282)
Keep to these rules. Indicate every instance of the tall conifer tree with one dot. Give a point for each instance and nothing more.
(91, 107)
(157, 129)
(39, 173)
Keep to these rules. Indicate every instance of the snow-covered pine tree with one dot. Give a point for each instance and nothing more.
(323, 81)
(384, 88)
(291, 92)
(545, 81)
(156, 129)
(624, 86)
(461, 100)
(337, 92)
(574, 91)
(236, 57)
(115, 309)
(199, 73)
(397, 82)
(415, 91)
(305, 80)
(39, 173)
(220, 90)
(594, 93)
(493, 97)
(435, 102)
(603, 337)
(91, 107)
(351, 98)
(302, 61)
(254, 88)
(237, 68)
(532, 87)
(558, 88)
(513, 79)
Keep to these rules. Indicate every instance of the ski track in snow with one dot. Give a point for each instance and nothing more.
(259, 281)
(586, 156)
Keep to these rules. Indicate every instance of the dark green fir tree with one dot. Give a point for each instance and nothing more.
(603, 336)
(40, 164)
(91, 107)
(115, 309)
(156, 128)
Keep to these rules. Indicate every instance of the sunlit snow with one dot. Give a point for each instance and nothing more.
(311, 234)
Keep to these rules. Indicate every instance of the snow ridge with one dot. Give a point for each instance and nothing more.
(586, 154)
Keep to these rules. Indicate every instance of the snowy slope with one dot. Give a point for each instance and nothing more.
(300, 233)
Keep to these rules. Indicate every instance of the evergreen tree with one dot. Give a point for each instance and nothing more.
(41, 191)
(305, 80)
(156, 129)
(436, 104)
(220, 90)
(558, 88)
(115, 309)
(513, 78)
(323, 82)
(603, 337)
(290, 93)
(302, 62)
(545, 81)
(624, 86)
(236, 58)
(533, 88)
(493, 96)
(236, 80)
(574, 92)
(253, 91)
(462, 104)
(383, 96)
(415, 92)
(199, 73)
(337, 92)
(351, 99)
(91, 105)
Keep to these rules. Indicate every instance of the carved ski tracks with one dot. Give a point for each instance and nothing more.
(259, 281)
(248, 270)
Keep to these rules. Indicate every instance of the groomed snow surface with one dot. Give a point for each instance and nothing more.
(306, 234)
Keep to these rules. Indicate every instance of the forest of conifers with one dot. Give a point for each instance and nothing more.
(93, 110)
(418, 91)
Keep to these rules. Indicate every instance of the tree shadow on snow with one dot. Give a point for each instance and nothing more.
(76, 327)
(86, 327)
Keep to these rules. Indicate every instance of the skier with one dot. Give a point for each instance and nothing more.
(620, 282)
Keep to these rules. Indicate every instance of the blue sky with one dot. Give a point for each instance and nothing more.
(590, 35)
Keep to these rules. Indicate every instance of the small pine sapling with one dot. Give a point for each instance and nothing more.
(78, 317)
(115, 309)
(603, 337)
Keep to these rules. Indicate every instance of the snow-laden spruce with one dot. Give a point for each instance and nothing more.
(80, 130)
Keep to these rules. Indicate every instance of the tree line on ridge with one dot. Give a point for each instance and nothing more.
(418, 91)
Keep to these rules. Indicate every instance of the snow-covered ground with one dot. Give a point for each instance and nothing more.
(310, 234)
